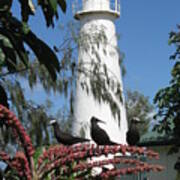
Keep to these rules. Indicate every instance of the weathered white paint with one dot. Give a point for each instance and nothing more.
(100, 17)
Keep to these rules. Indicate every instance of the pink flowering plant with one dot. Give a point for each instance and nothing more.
(71, 162)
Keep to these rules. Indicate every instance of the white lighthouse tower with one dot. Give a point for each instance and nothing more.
(97, 18)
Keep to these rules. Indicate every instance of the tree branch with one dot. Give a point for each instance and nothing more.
(14, 72)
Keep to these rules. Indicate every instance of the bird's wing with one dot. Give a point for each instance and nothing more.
(79, 139)
(3, 97)
(104, 135)
(69, 139)
(66, 136)
(106, 139)
(100, 136)
(132, 137)
(60, 135)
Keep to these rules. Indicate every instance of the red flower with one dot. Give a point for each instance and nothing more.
(18, 129)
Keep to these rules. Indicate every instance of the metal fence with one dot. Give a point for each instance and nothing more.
(77, 5)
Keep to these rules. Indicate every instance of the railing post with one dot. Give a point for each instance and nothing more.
(116, 5)
(113, 5)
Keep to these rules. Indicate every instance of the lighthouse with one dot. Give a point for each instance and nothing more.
(98, 49)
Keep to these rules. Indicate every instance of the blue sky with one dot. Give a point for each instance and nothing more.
(143, 27)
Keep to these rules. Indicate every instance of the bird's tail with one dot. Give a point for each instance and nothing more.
(81, 139)
(113, 143)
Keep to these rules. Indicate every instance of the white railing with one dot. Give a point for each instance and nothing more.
(93, 5)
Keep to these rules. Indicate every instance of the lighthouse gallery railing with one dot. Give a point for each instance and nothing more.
(114, 5)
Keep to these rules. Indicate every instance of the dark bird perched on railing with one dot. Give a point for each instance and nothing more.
(65, 138)
(98, 134)
(1, 174)
(4, 102)
(3, 97)
(132, 135)
(177, 165)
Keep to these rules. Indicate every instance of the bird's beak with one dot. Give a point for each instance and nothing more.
(137, 120)
(98, 120)
(52, 122)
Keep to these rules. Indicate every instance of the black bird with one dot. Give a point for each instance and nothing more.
(133, 136)
(1, 174)
(3, 97)
(177, 164)
(65, 138)
(98, 134)
(4, 102)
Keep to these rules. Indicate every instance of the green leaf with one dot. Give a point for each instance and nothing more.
(62, 4)
(44, 54)
(37, 153)
(25, 28)
(27, 8)
(5, 5)
(17, 44)
(10, 57)
(53, 4)
(47, 12)
(169, 41)
(49, 8)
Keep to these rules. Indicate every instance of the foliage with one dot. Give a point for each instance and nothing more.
(36, 123)
(23, 56)
(168, 99)
(66, 119)
(15, 33)
(137, 105)
(35, 117)
(63, 162)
